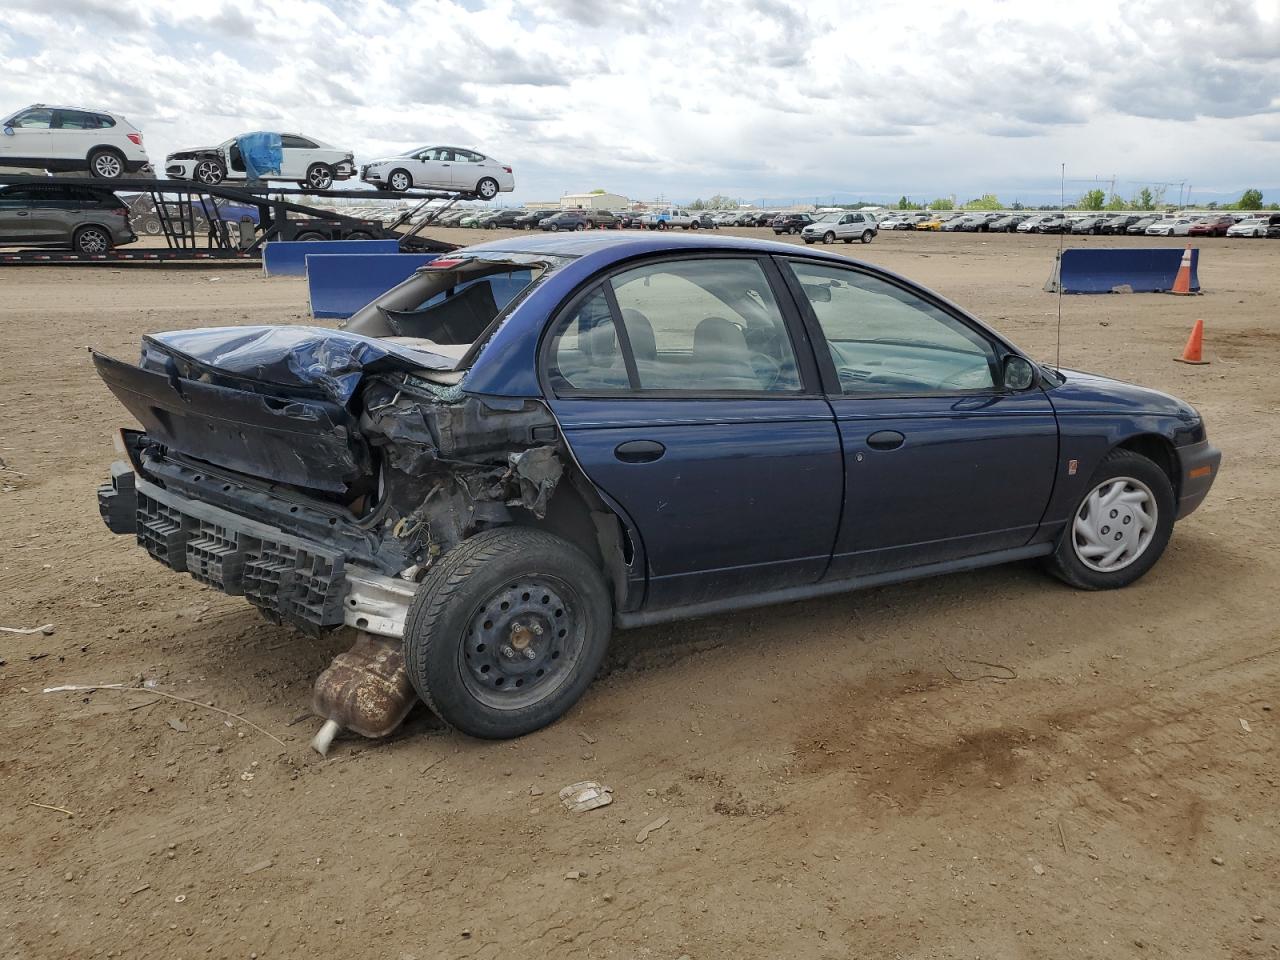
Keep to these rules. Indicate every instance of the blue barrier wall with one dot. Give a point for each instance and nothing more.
(340, 284)
(1146, 269)
(285, 258)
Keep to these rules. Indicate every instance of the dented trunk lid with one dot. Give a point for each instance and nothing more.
(273, 402)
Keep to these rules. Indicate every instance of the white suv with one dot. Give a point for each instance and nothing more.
(841, 226)
(57, 139)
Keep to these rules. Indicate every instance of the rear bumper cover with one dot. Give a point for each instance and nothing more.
(1198, 465)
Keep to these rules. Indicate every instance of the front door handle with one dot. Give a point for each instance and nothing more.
(885, 440)
(639, 451)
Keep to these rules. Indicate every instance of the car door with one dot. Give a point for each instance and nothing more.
(465, 172)
(16, 224)
(71, 135)
(941, 461)
(429, 169)
(24, 141)
(691, 402)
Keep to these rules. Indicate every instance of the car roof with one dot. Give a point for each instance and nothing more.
(624, 246)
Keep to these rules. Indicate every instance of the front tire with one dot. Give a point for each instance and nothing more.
(1119, 528)
(106, 164)
(209, 172)
(319, 177)
(507, 631)
(829, 237)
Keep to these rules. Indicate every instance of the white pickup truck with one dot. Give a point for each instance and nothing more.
(848, 227)
(669, 219)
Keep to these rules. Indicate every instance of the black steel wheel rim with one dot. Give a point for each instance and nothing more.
(523, 643)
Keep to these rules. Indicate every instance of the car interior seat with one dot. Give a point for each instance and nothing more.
(721, 357)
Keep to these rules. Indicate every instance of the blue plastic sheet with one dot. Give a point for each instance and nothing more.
(332, 361)
(262, 153)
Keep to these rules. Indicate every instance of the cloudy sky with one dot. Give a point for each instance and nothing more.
(750, 98)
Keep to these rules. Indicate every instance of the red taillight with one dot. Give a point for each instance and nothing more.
(442, 263)
(135, 138)
(508, 169)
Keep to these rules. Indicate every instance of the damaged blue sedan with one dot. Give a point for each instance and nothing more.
(531, 442)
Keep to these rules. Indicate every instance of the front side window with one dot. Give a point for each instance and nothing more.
(887, 341)
(37, 119)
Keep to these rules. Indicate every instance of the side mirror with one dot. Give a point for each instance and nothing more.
(8, 130)
(1018, 373)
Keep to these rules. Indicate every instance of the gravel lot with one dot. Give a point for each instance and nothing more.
(843, 777)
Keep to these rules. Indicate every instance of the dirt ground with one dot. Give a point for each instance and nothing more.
(987, 765)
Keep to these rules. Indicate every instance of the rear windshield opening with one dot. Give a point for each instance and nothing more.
(447, 309)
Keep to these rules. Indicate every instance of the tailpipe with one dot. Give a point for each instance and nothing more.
(365, 689)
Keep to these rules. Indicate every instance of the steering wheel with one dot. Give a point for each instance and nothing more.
(897, 380)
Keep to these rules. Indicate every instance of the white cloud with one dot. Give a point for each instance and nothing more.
(746, 97)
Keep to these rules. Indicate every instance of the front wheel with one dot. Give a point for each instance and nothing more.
(581, 226)
(507, 631)
(1120, 527)
(829, 237)
(319, 177)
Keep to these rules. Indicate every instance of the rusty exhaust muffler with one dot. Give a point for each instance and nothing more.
(365, 689)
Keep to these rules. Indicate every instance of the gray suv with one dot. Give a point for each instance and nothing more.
(84, 218)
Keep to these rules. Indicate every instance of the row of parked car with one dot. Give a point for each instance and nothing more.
(1152, 225)
(106, 146)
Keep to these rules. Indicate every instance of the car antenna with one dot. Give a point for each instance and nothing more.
(1062, 238)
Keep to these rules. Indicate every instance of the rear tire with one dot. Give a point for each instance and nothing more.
(507, 631)
(151, 227)
(867, 236)
(106, 164)
(309, 237)
(91, 240)
(319, 177)
(1131, 481)
(487, 188)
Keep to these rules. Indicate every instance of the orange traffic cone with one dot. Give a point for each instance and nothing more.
(1182, 282)
(1191, 353)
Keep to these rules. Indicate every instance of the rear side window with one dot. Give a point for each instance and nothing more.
(77, 120)
(295, 142)
(693, 327)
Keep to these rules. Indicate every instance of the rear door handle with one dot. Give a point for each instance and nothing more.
(639, 451)
(885, 440)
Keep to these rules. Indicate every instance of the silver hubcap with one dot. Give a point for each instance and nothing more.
(91, 241)
(1114, 524)
(488, 189)
(107, 166)
(320, 179)
(208, 173)
(399, 181)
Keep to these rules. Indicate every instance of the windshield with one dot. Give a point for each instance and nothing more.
(452, 303)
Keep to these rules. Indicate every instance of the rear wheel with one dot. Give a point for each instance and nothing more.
(867, 236)
(487, 188)
(507, 631)
(309, 236)
(359, 235)
(1120, 526)
(106, 164)
(151, 227)
(91, 239)
(581, 226)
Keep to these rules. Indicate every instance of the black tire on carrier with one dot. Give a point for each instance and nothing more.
(507, 631)
(1132, 480)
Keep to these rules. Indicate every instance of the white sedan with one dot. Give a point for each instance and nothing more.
(441, 168)
(312, 164)
(1170, 228)
(1253, 227)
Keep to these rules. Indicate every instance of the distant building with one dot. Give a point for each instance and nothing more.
(593, 201)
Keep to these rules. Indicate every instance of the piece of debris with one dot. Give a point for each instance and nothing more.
(535, 791)
(137, 890)
(648, 828)
(1038, 869)
(178, 725)
(180, 898)
(246, 776)
(258, 867)
(587, 795)
(46, 629)
(575, 875)
(1217, 861)
(1244, 725)
(586, 736)
(1122, 288)
(45, 806)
